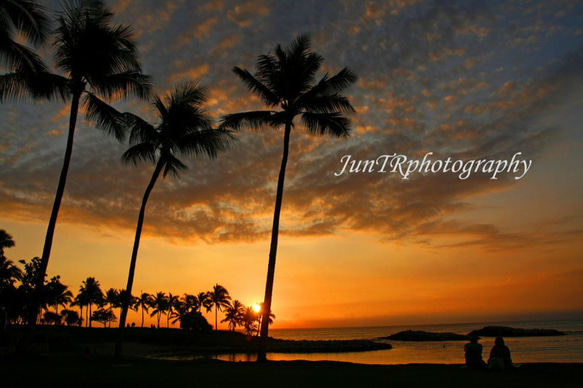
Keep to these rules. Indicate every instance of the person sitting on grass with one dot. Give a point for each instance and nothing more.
(473, 352)
(500, 356)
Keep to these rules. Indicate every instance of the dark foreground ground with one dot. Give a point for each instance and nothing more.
(81, 357)
(62, 370)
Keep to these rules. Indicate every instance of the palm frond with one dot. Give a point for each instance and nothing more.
(172, 165)
(252, 120)
(207, 142)
(123, 85)
(28, 17)
(32, 86)
(325, 104)
(106, 117)
(142, 152)
(257, 86)
(19, 58)
(334, 124)
(140, 130)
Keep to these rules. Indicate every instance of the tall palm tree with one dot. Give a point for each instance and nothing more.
(98, 59)
(28, 19)
(160, 306)
(90, 292)
(184, 129)
(173, 301)
(286, 84)
(220, 299)
(144, 302)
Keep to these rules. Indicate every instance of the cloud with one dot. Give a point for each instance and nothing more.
(433, 76)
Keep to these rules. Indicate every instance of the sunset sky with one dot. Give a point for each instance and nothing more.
(466, 80)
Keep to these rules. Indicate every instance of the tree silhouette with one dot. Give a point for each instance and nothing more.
(219, 299)
(159, 305)
(173, 301)
(91, 293)
(57, 294)
(234, 314)
(203, 301)
(144, 302)
(6, 241)
(9, 274)
(27, 19)
(285, 83)
(184, 129)
(70, 317)
(99, 60)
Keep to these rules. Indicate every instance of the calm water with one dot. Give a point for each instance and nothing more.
(568, 348)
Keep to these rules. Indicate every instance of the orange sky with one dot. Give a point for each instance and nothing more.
(360, 249)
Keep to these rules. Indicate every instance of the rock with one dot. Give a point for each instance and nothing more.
(418, 335)
(503, 331)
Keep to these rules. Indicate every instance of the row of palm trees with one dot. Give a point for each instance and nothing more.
(16, 286)
(99, 65)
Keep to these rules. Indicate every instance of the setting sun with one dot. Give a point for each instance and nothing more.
(256, 307)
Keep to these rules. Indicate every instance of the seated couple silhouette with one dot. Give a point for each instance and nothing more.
(499, 355)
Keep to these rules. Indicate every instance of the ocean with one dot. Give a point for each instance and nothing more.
(568, 348)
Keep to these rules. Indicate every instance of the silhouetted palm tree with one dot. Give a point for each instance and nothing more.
(57, 294)
(99, 60)
(220, 299)
(190, 302)
(184, 129)
(91, 293)
(234, 314)
(203, 301)
(173, 301)
(144, 302)
(27, 19)
(285, 83)
(160, 306)
(6, 241)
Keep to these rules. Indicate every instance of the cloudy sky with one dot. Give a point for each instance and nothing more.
(467, 80)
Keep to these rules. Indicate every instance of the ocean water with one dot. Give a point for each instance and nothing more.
(568, 348)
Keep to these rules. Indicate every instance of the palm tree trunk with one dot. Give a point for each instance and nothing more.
(262, 355)
(142, 315)
(44, 263)
(128, 290)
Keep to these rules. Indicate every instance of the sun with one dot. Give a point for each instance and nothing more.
(256, 307)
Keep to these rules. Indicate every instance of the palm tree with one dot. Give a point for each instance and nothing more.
(203, 301)
(234, 314)
(28, 19)
(184, 129)
(91, 293)
(81, 301)
(99, 60)
(160, 306)
(285, 83)
(220, 299)
(144, 301)
(6, 241)
(57, 294)
(173, 301)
